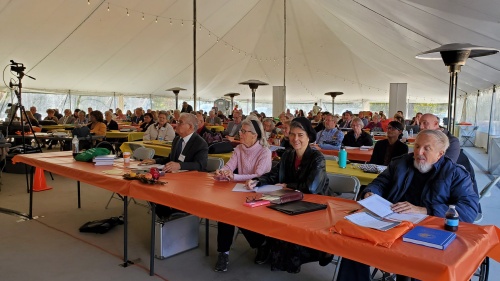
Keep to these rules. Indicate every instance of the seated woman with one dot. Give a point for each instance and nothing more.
(374, 125)
(110, 123)
(148, 121)
(357, 137)
(161, 130)
(96, 125)
(51, 116)
(251, 158)
(269, 128)
(391, 147)
(81, 120)
(301, 168)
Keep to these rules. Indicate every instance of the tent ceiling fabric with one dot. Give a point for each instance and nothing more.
(354, 46)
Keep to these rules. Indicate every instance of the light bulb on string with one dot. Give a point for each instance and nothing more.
(108, 6)
(127, 13)
(142, 16)
(217, 39)
(182, 22)
(156, 20)
(88, 2)
(170, 21)
(200, 26)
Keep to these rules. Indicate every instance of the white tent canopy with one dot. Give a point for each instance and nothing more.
(142, 47)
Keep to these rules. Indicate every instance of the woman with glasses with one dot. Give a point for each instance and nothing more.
(251, 158)
(161, 130)
(357, 137)
(391, 147)
(301, 168)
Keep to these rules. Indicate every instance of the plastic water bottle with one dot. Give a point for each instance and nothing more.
(411, 133)
(451, 219)
(75, 144)
(342, 158)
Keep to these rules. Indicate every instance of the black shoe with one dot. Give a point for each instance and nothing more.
(325, 259)
(263, 254)
(222, 262)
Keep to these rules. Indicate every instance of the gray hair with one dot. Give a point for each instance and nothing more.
(270, 121)
(359, 121)
(190, 119)
(248, 122)
(440, 137)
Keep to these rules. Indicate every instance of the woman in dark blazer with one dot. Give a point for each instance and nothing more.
(391, 147)
(357, 137)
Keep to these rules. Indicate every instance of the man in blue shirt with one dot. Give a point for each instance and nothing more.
(330, 138)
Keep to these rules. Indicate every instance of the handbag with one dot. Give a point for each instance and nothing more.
(220, 147)
(101, 226)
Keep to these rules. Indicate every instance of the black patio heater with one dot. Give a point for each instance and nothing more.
(333, 95)
(253, 84)
(176, 91)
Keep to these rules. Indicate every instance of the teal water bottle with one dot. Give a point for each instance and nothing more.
(342, 158)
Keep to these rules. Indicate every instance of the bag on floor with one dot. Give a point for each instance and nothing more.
(101, 226)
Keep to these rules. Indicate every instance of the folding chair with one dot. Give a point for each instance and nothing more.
(134, 146)
(468, 135)
(141, 153)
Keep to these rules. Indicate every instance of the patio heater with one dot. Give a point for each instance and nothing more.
(454, 56)
(333, 95)
(253, 84)
(232, 95)
(176, 91)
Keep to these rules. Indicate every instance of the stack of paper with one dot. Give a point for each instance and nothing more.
(104, 160)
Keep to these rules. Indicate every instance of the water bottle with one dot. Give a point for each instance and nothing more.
(411, 133)
(451, 219)
(342, 158)
(75, 143)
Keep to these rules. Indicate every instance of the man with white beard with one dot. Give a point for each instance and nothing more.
(425, 182)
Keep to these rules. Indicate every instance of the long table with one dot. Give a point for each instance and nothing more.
(364, 178)
(130, 136)
(199, 194)
(353, 154)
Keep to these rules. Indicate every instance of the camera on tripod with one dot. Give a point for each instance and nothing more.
(17, 67)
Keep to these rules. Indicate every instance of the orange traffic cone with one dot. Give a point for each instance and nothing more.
(39, 183)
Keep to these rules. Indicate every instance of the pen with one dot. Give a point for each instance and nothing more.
(353, 211)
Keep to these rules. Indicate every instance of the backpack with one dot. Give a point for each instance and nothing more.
(101, 226)
(212, 137)
(220, 147)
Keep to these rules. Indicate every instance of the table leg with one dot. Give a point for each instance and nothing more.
(30, 214)
(126, 262)
(207, 235)
(152, 243)
(78, 191)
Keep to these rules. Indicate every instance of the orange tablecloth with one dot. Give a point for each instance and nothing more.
(352, 154)
(200, 195)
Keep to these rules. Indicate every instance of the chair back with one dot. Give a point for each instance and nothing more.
(105, 144)
(214, 163)
(343, 186)
(143, 153)
(331, 157)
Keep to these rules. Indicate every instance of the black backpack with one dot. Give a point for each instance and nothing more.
(101, 226)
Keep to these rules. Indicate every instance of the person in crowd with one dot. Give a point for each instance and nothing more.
(374, 125)
(357, 137)
(423, 182)
(316, 109)
(285, 141)
(81, 120)
(175, 118)
(96, 124)
(67, 118)
(416, 120)
(120, 116)
(57, 114)
(186, 107)
(318, 120)
(235, 108)
(35, 114)
(129, 115)
(148, 121)
(301, 113)
(169, 116)
(202, 130)
(330, 138)
(400, 114)
(346, 120)
(363, 118)
(430, 121)
(161, 130)
(138, 118)
(384, 122)
(109, 122)
(269, 128)
(233, 127)
(399, 118)
(301, 168)
(212, 119)
(251, 159)
(221, 116)
(75, 113)
(282, 117)
(29, 116)
(88, 112)
(387, 149)
(51, 116)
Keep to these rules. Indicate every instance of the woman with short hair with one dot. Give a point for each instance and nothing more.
(357, 137)
(148, 121)
(161, 130)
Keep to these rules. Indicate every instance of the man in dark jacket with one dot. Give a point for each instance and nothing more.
(425, 182)
(430, 122)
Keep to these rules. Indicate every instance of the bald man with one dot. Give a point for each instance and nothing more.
(429, 121)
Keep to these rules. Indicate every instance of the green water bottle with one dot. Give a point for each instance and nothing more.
(342, 158)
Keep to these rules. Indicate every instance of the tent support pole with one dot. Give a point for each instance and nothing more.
(493, 98)
(284, 44)
(194, 54)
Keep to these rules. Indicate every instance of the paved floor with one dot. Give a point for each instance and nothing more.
(51, 248)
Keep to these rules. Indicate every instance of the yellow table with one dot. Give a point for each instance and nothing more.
(57, 127)
(130, 136)
(216, 128)
(364, 178)
(162, 149)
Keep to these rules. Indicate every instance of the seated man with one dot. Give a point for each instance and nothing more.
(426, 182)
(189, 152)
(233, 127)
(212, 119)
(430, 122)
(330, 138)
(392, 147)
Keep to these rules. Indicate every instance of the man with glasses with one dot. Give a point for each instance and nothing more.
(233, 127)
(386, 150)
(330, 138)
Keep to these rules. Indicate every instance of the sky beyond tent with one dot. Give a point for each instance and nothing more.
(145, 47)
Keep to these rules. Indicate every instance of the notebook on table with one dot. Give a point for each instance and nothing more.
(298, 207)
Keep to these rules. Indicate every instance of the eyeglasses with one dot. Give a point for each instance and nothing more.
(243, 131)
(251, 199)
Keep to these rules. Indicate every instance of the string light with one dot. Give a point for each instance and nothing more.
(142, 16)
(182, 22)
(108, 6)
(156, 20)
(127, 13)
(88, 2)
(170, 21)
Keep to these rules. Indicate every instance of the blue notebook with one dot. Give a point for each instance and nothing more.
(430, 237)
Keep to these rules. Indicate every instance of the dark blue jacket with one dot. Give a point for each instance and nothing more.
(449, 184)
